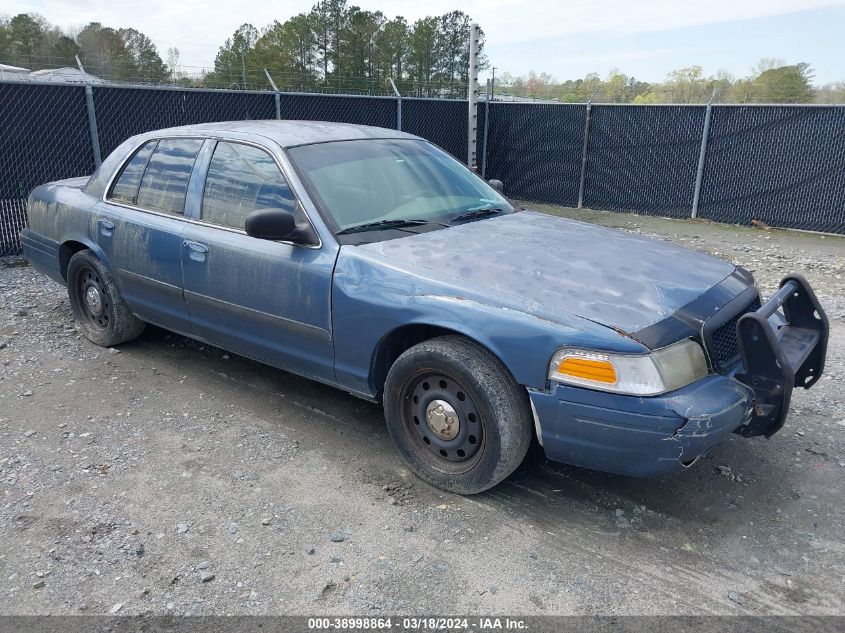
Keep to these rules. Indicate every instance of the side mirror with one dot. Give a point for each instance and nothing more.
(277, 224)
(497, 185)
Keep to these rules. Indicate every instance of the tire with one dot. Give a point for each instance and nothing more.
(456, 414)
(100, 311)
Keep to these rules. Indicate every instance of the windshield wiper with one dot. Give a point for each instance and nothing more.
(380, 225)
(476, 213)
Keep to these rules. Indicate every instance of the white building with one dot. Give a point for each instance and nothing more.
(13, 72)
(65, 75)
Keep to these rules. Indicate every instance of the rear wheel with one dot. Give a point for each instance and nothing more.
(456, 414)
(100, 311)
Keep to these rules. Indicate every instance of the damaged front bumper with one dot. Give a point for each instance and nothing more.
(637, 436)
(782, 344)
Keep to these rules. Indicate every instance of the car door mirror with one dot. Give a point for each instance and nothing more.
(497, 185)
(276, 224)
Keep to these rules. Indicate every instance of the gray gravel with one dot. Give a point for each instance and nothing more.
(176, 478)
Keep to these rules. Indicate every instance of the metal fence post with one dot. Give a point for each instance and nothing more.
(277, 97)
(92, 117)
(92, 124)
(398, 104)
(486, 127)
(702, 156)
(584, 149)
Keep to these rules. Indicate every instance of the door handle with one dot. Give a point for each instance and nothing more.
(196, 246)
(106, 227)
(197, 251)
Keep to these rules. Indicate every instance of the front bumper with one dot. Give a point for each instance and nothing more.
(782, 345)
(630, 435)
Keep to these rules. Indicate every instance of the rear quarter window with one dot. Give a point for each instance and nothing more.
(125, 188)
(164, 184)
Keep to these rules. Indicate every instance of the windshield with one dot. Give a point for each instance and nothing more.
(388, 181)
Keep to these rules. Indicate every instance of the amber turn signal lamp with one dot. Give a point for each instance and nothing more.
(588, 369)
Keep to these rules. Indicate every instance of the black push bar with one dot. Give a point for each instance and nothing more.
(778, 356)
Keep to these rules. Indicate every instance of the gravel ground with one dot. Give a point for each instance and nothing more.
(172, 477)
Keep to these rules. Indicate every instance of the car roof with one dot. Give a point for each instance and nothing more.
(286, 133)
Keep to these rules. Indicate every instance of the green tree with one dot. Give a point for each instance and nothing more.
(321, 25)
(287, 51)
(362, 41)
(687, 85)
(104, 53)
(300, 35)
(393, 49)
(232, 65)
(145, 58)
(785, 84)
(64, 51)
(25, 34)
(423, 54)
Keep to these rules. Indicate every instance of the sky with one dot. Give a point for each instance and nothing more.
(566, 39)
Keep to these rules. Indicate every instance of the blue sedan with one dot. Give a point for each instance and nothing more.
(372, 261)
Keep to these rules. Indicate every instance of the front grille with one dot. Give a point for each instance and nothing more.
(723, 345)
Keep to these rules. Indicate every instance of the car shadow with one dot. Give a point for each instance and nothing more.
(542, 491)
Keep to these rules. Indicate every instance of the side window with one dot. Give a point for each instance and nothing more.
(242, 178)
(125, 189)
(165, 182)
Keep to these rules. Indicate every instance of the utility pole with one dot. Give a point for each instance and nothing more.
(493, 83)
(472, 96)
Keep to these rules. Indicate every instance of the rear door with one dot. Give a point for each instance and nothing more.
(266, 299)
(140, 225)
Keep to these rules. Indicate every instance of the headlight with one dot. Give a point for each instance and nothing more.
(662, 370)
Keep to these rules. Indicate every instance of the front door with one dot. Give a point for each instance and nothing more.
(268, 300)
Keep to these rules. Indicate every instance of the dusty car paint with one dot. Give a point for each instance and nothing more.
(522, 285)
(615, 278)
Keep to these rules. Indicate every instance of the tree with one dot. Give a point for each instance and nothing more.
(359, 41)
(25, 33)
(453, 31)
(145, 58)
(786, 84)
(321, 26)
(687, 85)
(173, 55)
(230, 64)
(104, 52)
(393, 48)
(831, 93)
(287, 51)
(300, 35)
(64, 51)
(423, 53)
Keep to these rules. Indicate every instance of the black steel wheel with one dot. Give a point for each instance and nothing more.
(93, 298)
(456, 414)
(100, 311)
(444, 418)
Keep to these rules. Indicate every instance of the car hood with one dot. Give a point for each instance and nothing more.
(615, 278)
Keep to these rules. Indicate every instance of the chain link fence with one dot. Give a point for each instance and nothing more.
(643, 158)
(544, 142)
(122, 112)
(44, 136)
(782, 165)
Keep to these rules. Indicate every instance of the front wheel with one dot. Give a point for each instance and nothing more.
(100, 311)
(456, 414)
